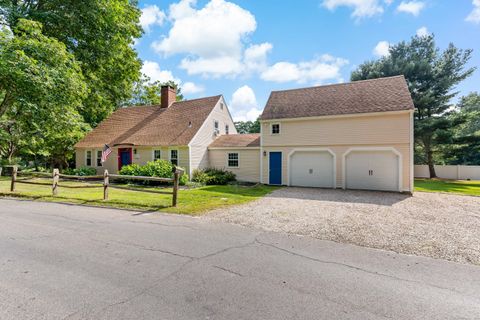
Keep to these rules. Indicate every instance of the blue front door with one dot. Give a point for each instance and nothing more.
(125, 157)
(275, 165)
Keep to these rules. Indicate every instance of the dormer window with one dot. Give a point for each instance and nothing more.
(275, 128)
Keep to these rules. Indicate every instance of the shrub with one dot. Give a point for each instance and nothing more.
(183, 179)
(157, 168)
(131, 170)
(213, 176)
(82, 171)
(200, 176)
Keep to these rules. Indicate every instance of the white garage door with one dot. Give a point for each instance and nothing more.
(372, 170)
(312, 169)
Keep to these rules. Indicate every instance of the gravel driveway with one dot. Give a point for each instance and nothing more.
(429, 224)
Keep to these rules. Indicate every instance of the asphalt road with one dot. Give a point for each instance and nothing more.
(70, 262)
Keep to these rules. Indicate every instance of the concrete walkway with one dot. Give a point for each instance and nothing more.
(70, 262)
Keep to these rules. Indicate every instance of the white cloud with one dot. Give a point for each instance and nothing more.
(244, 106)
(422, 32)
(151, 15)
(412, 7)
(324, 68)
(474, 16)
(212, 36)
(152, 70)
(255, 56)
(191, 88)
(361, 8)
(382, 49)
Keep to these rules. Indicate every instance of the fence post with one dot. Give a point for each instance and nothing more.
(55, 182)
(14, 179)
(176, 176)
(105, 185)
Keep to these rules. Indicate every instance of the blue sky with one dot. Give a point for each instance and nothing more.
(244, 49)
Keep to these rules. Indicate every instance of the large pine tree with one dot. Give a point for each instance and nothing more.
(432, 76)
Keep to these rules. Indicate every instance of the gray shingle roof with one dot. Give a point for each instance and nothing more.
(151, 125)
(376, 95)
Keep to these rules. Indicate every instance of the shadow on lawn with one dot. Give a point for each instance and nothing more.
(92, 203)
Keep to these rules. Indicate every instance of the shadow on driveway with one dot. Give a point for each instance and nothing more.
(340, 195)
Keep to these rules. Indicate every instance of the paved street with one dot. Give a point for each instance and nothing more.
(70, 262)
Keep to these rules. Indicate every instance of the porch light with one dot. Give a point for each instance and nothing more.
(264, 153)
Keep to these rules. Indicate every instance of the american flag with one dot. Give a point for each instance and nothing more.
(106, 152)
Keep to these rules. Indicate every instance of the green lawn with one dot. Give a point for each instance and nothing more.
(451, 186)
(190, 201)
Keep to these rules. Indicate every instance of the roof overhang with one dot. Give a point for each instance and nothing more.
(349, 115)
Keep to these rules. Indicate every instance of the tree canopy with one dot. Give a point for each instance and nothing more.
(99, 34)
(41, 87)
(248, 126)
(432, 76)
(65, 65)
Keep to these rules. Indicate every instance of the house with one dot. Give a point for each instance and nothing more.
(355, 135)
(177, 131)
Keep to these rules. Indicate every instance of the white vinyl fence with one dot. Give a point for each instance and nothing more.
(449, 172)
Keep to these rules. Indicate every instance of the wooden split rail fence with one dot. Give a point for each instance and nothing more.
(106, 177)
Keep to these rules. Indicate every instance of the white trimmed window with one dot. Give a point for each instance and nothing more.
(157, 154)
(88, 158)
(227, 129)
(174, 157)
(275, 128)
(99, 158)
(215, 126)
(233, 160)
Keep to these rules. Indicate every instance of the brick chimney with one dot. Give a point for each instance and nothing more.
(168, 96)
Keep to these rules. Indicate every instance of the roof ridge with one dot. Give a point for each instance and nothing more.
(203, 98)
(341, 84)
(158, 105)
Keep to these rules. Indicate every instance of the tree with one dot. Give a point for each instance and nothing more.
(465, 148)
(99, 34)
(41, 88)
(431, 76)
(149, 93)
(244, 127)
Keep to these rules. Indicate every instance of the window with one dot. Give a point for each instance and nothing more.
(221, 105)
(156, 154)
(215, 125)
(88, 158)
(99, 158)
(233, 160)
(174, 157)
(227, 129)
(275, 128)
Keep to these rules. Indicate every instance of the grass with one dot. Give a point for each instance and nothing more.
(471, 188)
(190, 201)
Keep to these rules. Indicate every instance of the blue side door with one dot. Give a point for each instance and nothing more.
(275, 165)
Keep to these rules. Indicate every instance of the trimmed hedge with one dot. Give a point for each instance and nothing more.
(157, 168)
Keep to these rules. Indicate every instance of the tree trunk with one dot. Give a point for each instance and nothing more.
(6, 103)
(431, 166)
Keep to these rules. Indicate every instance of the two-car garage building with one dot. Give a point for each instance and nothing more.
(356, 136)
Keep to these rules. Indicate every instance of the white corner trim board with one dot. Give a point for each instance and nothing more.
(391, 149)
(334, 182)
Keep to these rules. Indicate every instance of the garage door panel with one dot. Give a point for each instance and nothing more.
(372, 170)
(312, 169)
